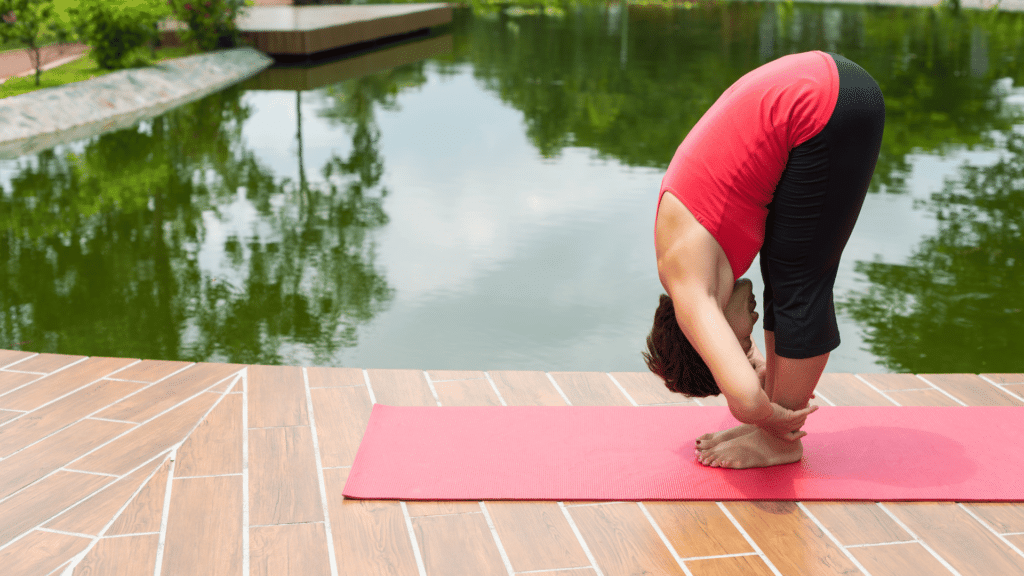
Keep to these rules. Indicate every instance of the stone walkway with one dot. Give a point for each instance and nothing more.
(40, 120)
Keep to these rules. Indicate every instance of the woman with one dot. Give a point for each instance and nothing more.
(780, 163)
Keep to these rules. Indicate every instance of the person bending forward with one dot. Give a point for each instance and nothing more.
(779, 164)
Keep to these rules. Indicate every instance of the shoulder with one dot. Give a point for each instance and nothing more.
(689, 257)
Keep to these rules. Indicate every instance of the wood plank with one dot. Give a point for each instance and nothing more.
(11, 380)
(535, 535)
(93, 514)
(332, 377)
(972, 390)
(895, 381)
(910, 559)
(290, 550)
(8, 415)
(442, 375)
(215, 446)
(958, 538)
(150, 370)
(11, 356)
(370, 536)
(854, 523)
(458, 545)
(277, 396)
(1004, 517)
(42, 422)
(147, 440)
(145, 512)
(44, 457)
(204, 527)
(283, 484)
(40, 553)
(341, 415)
(698, 529)
(44, 499)
(848, 390)
(127, 556)
(526, 388)
(400, 388)
(779, 528)
(747, 565)
(467, 393)
(647, 389)
(44, 363)
(50, 388)
(590, 389)
(1005, 378)
(622, 541)
(922, 398)
(163, 395)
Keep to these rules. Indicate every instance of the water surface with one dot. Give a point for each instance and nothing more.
(490, 203)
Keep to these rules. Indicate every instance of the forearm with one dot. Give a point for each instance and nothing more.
(708, 331)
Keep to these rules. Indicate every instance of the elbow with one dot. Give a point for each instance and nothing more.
(753, 411)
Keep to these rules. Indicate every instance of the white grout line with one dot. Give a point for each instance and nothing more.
(829, 535)
(497, 540)
(433, 390)
(88, 416)
(881, 506)
(24, 372)
(320, 475)
(369, 389)
(664, 539)
(77, 559)
(556, 570)
(954, 398)
(245, 471)
(1002, 388)
(483, 508)
(558, 388)
(30, 356)
(621, 389)
(44, 375)
(877, 544)
(749, 540)
(64, 532)
(919, 540)
(129, 431)
(164, 515)
(495, 388)
(879, 390)
(421, 569)
(579, 538)
(991, 529)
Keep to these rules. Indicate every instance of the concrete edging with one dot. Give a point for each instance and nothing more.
(45, 118)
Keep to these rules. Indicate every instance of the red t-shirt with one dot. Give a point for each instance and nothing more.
(727, 167)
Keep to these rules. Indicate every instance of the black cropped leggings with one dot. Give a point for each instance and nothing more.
(812, 213)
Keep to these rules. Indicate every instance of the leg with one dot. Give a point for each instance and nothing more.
(798, 378)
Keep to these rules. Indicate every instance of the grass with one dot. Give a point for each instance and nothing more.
(83, 68)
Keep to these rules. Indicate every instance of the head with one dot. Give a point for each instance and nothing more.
(671, 356)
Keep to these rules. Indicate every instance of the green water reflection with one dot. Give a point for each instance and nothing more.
(105, 237)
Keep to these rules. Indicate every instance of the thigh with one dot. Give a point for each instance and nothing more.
(812, 214)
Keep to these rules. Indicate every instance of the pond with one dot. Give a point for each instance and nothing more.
(487, 199)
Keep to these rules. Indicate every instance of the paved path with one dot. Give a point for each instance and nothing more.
(18, 63)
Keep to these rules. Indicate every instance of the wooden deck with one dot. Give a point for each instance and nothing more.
(332, 72)
(284, 31)
(118, 466)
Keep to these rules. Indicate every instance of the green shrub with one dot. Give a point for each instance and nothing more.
(211, 23)
(122, 33)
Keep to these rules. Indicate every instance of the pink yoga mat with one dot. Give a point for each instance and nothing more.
(646, 453)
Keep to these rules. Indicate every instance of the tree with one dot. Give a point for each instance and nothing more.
(31, 22)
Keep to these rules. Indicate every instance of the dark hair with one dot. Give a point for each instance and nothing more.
(671, 356)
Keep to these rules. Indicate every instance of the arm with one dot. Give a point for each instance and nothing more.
(702, 321)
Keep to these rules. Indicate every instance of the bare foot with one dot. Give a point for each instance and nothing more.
(754, 450)
(712, 439)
